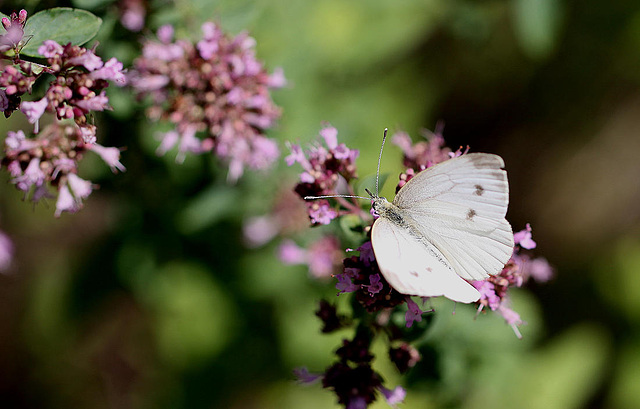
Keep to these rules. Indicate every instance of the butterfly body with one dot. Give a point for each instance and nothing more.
(447, 223)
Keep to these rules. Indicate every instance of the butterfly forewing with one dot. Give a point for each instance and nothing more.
(414, 267)
(459, 206)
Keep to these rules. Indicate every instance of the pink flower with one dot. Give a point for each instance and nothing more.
(259, 230)
(95, 103)
(66, 202)
(366, 253)
(414, 313)
(165, 33)
(111, 156)
(12, 38)
(512, 318)
(375, 285)
(394, 396)
(32, 175)
(81, 188)
(488, 296)
(111, 70)
(277, 79)
(88, 133)
(33, 110)
(297, 155)
(168, 141)
(330, 135)
(88, 60)
(538, 268)
(6, 251)
(523, 238)
(50, 49)
(290, 253)
(133, 15)
(345, 285)
(148, 83)
(320, 212)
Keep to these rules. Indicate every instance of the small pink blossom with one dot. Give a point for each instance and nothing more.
(512, 318)
(538, 268)
(375, 285)
(488, 296)
(110, 155)
(394, 396)
(88, 60)
(414, 313)
(81, 188)
(330, 135)
(165, 33)
(523, 238)
(133, 15)
(111, 70)
(290, 253)
(88, 133)
(277, 78)
(345, 285)
(33, 110)
(259, 230)
(66, 202)
(320, 212)
(167, 141)
(6, 252)
(50, 49)
(95, 103)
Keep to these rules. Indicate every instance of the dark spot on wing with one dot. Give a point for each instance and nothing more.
(413, 273)
(479, 190)
(470, 214)
(429, 269)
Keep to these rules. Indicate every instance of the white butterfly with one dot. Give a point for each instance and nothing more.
(445, 225)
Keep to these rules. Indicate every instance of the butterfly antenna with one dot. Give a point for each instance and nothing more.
(329, 196)
(384, 138)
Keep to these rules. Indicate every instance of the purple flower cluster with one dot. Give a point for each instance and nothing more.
(81, 78)
(324, 169)
(352, 378)
(15, 81)
(362, 276)
(328, 172)
(215, 88)
(51, 160)
(14, 27)
(521, 267)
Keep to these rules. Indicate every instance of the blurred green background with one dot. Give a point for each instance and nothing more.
(149, 297)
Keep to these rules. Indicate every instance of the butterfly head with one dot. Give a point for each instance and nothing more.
(379, 204)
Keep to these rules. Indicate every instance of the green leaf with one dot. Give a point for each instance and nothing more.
(63, 25)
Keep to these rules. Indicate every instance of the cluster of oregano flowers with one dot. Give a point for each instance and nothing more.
(329, 169)
(43, 163)
(215, 93)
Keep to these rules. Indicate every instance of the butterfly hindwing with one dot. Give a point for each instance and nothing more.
(414, 267)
